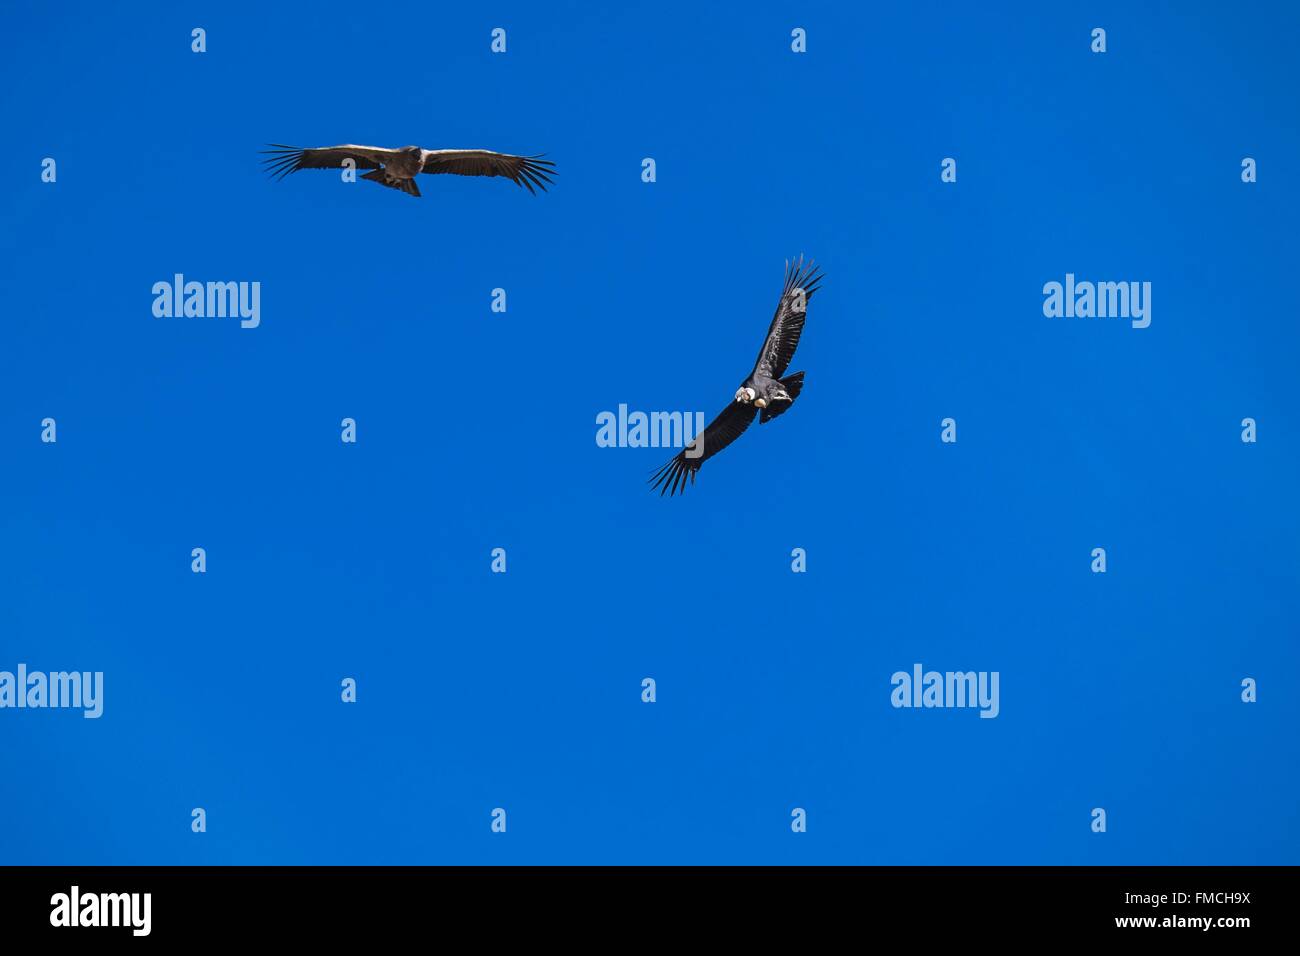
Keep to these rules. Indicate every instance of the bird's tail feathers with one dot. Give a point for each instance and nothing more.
(382, 177)
(793, 385)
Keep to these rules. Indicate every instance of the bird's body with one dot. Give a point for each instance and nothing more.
(763, 390)
(398, 168)
(767, 391)
(406, 163)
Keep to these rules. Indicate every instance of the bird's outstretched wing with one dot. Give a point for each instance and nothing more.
(282, 160)
(722, 431)
(526, 171)
(801, 281)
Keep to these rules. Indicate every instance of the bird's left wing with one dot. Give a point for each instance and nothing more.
(722, 431)
(283, 160)
(526, 171)
(801, 281)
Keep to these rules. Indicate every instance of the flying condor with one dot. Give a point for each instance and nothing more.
(765, 393)
(397, 168)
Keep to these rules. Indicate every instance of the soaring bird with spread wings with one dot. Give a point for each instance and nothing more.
(397, 168)
(765, 393)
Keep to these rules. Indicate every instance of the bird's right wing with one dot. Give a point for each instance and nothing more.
(283, 160)
(722, 431)
(526, 171)
(801, 281)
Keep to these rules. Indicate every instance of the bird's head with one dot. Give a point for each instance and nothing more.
(746, 395)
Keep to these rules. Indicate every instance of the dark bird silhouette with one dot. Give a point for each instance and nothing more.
(764, 393)
(397, 168)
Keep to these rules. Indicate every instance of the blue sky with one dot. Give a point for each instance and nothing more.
(476, 430)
